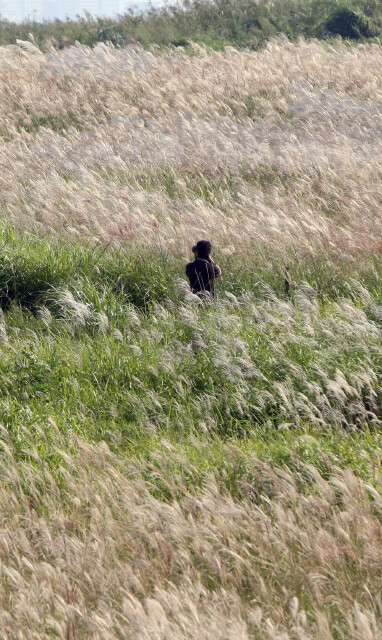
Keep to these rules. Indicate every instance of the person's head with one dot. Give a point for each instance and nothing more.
(202, 249)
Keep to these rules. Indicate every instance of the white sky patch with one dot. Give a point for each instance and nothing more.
(19, 10)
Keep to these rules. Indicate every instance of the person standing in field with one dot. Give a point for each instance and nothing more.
(203, 270)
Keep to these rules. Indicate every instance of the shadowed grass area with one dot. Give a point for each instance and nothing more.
(109, 343)
(31, 268)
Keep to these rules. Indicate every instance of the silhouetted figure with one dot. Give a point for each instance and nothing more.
(203, 270)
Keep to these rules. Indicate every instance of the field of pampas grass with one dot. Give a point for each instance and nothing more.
(280, 147)
(187, 472)
(171, 469)
(296, 556)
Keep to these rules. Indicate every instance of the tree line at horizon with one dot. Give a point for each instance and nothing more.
(216, 23)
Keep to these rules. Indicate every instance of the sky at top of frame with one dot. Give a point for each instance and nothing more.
(19, 10)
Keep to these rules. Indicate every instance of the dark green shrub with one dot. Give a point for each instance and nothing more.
(180, 42)
(265, 26)
(111, 34)
(348, 24)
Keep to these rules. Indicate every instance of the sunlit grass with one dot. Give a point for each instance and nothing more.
(171, 469)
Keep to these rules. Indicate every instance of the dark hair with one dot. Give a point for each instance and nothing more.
(203, 247)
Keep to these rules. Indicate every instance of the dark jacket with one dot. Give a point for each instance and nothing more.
(201, 275)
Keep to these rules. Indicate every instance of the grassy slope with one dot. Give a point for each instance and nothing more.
(217, 24)
(169, 469)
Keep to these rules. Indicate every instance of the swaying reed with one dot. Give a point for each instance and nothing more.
(174, 470)
(278, 148)
(97, 555)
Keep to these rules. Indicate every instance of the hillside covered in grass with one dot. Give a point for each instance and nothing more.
(216, 23)
(171, 469)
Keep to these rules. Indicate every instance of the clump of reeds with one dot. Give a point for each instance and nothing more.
(274, 148)
(94, 550)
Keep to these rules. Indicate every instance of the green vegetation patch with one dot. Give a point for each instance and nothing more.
(110, 345)
(217, 24)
